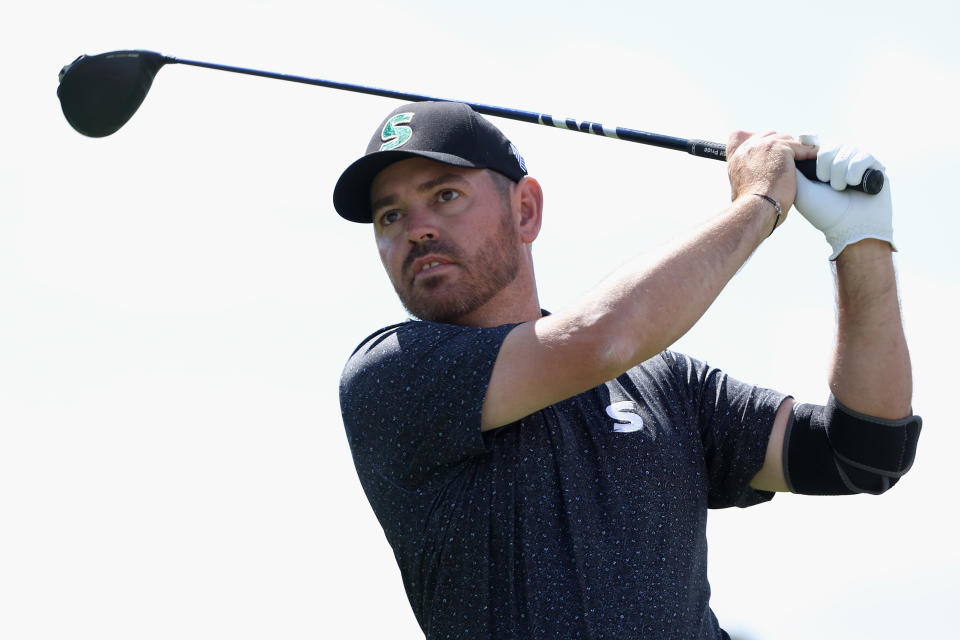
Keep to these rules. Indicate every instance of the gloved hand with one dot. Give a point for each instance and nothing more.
(844, 216)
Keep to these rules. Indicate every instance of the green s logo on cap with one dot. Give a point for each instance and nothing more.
(394, 132)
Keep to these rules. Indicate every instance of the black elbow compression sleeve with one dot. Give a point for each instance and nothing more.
(833, 450)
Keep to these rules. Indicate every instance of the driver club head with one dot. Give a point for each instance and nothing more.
(98, 94)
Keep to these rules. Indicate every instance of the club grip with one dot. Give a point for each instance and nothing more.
(871, 183)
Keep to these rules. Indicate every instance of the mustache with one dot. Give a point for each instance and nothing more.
(437, 247)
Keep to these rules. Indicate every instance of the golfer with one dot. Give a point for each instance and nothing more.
(548, 475)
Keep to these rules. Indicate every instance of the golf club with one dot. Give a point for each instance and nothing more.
(100, 93)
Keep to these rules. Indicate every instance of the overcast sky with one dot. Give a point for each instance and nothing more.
(177, 300)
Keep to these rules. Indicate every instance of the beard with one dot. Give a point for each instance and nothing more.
(494, 266)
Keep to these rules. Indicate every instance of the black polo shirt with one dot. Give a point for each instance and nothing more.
(586, 519)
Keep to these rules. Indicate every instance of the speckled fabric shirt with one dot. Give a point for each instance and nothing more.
(586, 519)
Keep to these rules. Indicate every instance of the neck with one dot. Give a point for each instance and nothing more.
(515, 303)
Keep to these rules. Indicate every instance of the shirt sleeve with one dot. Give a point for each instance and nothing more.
(735, 420)
(411, 396)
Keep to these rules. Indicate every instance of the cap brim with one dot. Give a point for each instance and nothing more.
(351, 196)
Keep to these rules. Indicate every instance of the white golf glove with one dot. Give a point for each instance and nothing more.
(842, 215)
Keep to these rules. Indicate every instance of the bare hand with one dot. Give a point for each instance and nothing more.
(765, 163)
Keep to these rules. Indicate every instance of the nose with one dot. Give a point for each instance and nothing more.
(421, 225)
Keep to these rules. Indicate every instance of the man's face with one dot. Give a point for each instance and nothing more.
(446, 237)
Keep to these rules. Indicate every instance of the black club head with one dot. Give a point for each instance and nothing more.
(98, 94)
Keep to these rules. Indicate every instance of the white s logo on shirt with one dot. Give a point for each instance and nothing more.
(627, 417)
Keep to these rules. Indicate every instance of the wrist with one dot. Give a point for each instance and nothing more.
(764, 211)
(865, 250)
(776, 206)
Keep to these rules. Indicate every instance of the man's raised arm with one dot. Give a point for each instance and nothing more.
(652, 301)
(871, 365)
(864, 440)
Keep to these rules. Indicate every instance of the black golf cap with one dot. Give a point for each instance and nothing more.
(448, 132)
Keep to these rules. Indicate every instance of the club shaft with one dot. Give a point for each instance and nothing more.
(584, 126)
(872, 180)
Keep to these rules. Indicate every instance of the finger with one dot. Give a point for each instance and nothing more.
(801, 150)
(838, 169)
(825, 162)
(773, 135)
(810, 139)
(858, 165)
(736, 139)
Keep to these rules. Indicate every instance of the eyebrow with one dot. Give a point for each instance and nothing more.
(423, 186)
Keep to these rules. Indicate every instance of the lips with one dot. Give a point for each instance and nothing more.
(427, 264)
(430, 265)
(432, 254)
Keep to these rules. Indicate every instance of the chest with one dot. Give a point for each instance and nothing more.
(616, 448)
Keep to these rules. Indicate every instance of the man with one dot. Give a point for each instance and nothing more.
(548, 475)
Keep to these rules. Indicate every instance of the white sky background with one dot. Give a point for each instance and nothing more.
(177, 300)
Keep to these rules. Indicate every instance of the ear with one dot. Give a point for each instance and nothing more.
(528, 200)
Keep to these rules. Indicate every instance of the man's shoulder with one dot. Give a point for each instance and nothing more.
(379, 335)
(431, 345)
(419, 333)
(380, 348)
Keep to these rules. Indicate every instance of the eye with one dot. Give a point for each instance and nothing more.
(389, 218)
(446, 195)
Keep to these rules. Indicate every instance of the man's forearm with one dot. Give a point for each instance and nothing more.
(653, 301)
(635, 313)
(871, 365)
